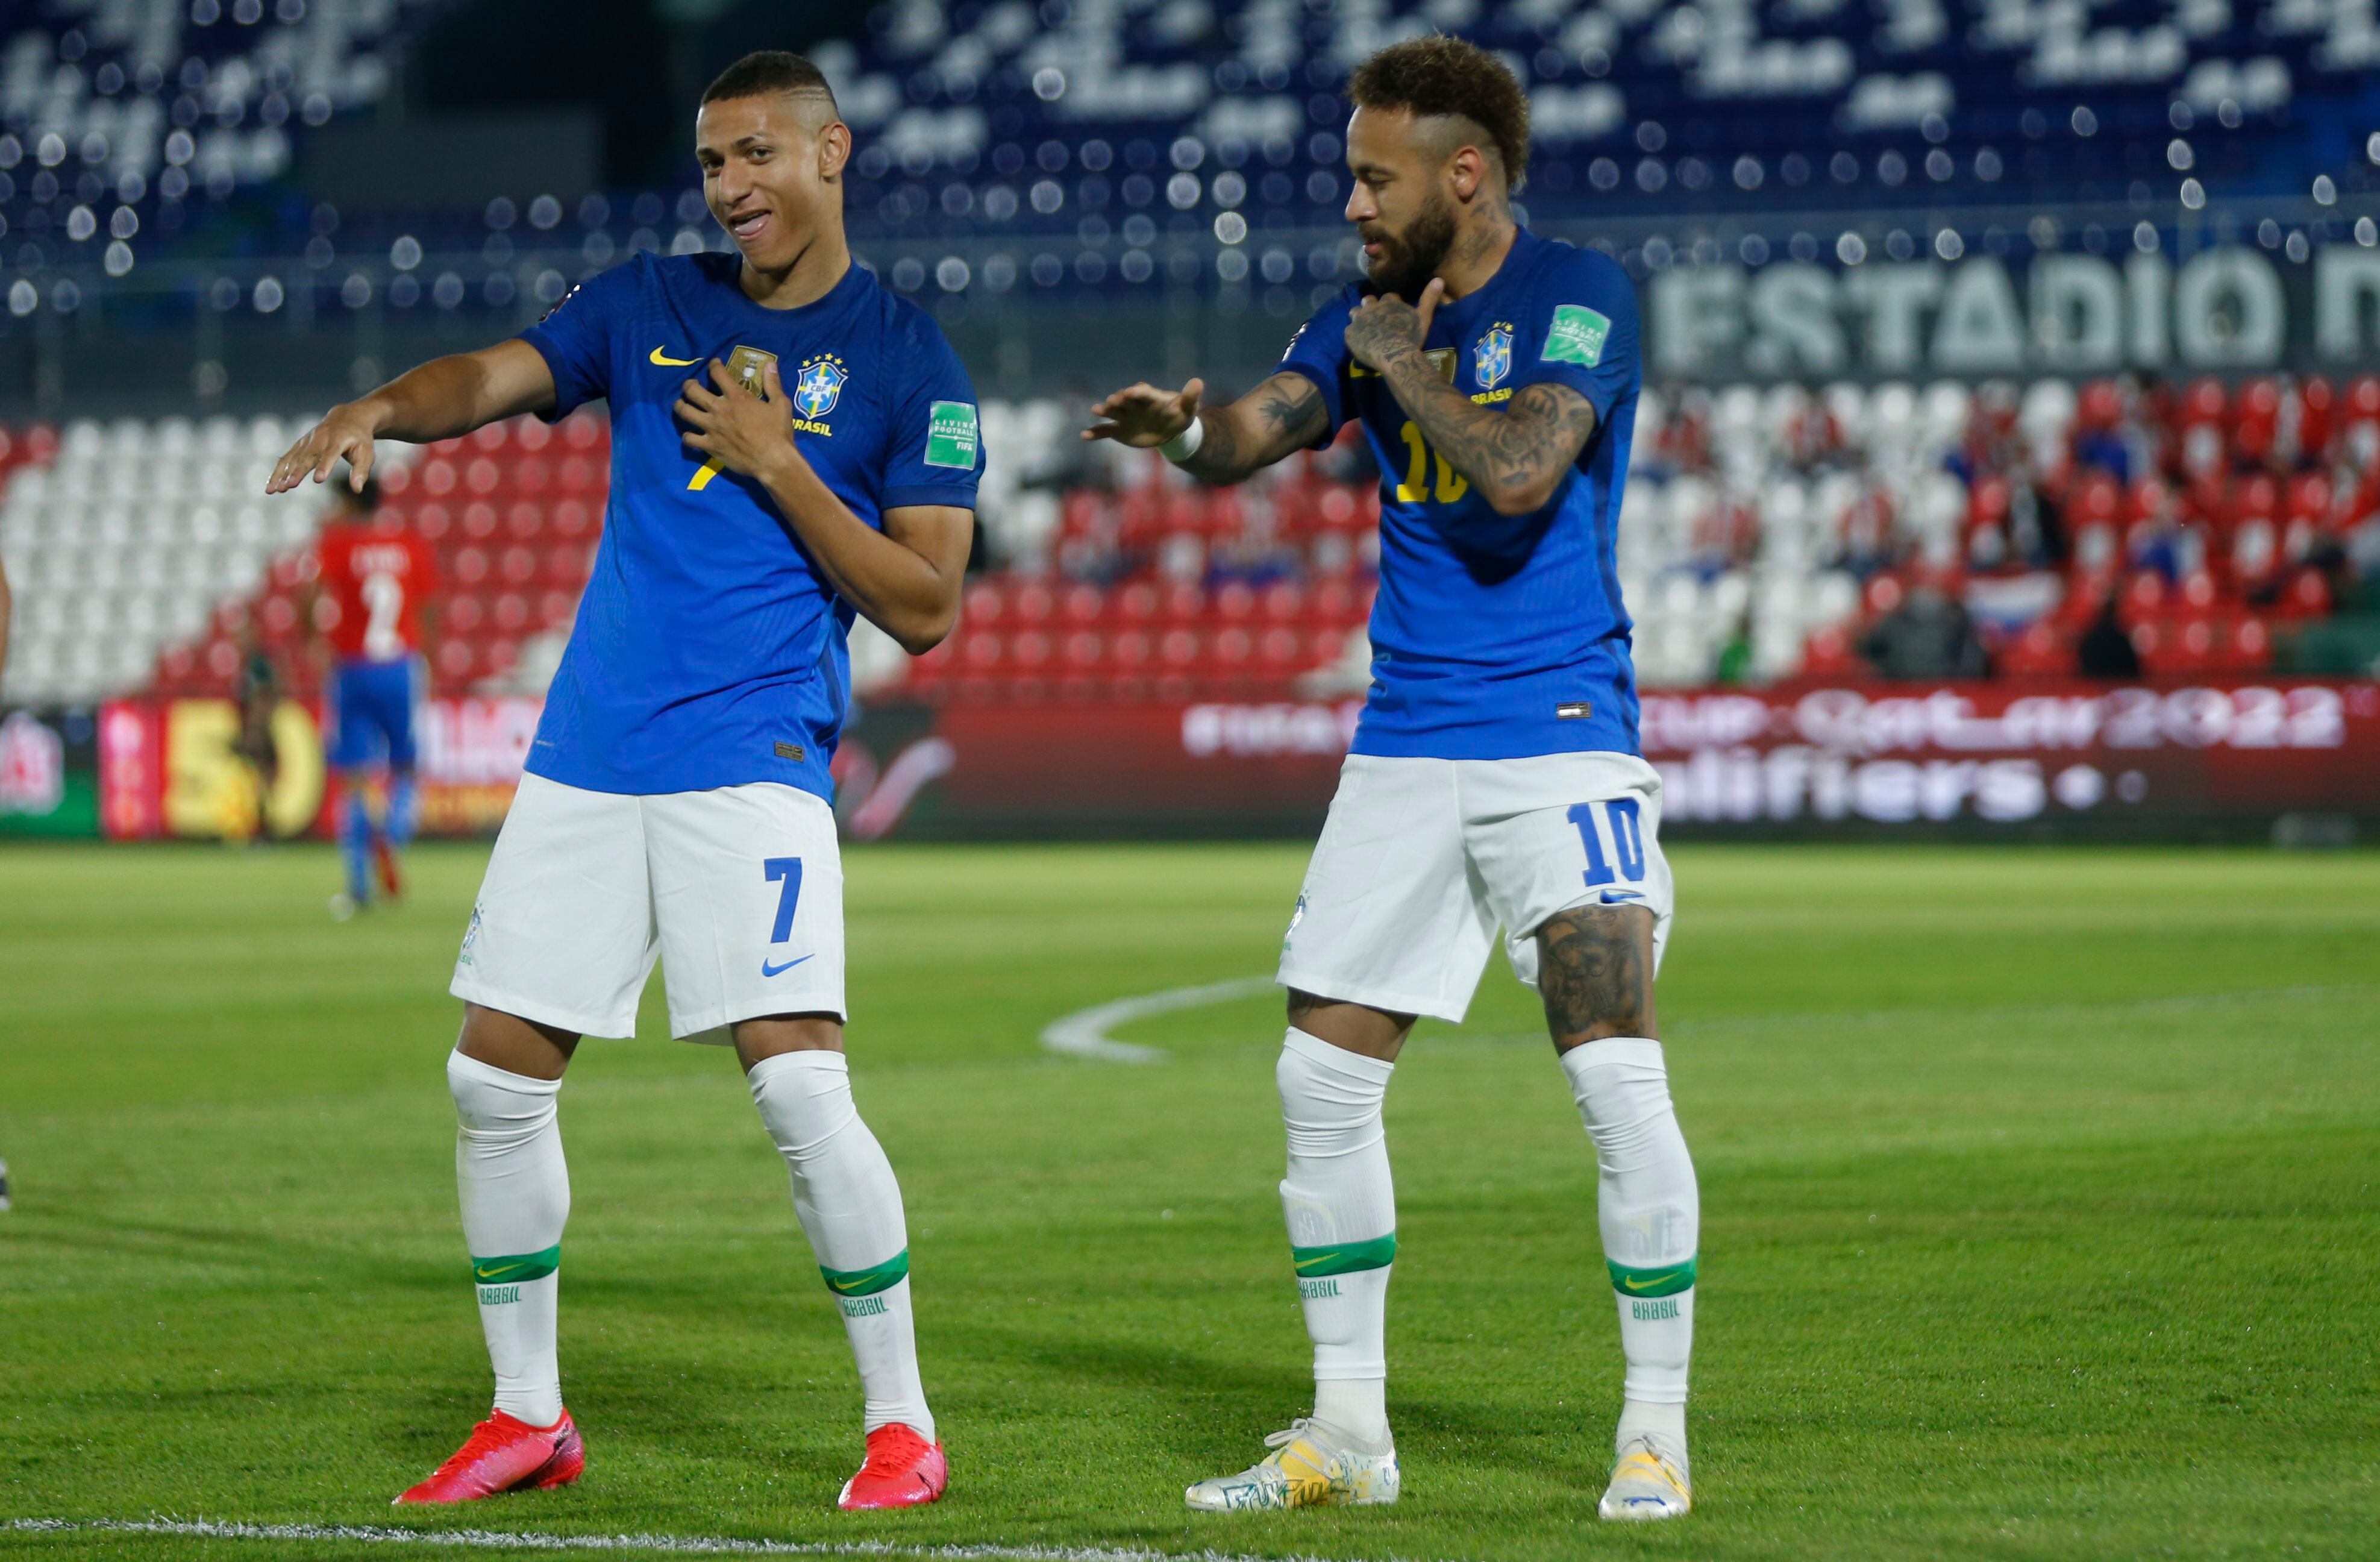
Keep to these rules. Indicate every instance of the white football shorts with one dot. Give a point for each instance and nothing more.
(1422, 861)
(738, 891)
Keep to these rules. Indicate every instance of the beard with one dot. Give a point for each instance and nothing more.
(1408, 259)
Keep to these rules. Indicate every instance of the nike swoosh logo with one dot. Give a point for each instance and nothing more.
(768, 969)
(1310, 1263)
(1635, 1285)
(666, 361)
(1620, 896)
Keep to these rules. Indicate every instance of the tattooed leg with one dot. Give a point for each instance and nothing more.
(1595, 971)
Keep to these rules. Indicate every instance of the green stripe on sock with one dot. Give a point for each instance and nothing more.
(517, 1268)
(1666, 1279)
(867, 1282)
(1345, 1258)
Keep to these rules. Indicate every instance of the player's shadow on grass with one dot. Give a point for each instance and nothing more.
(1230, 1405)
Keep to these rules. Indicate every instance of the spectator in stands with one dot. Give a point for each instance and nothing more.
(2037, 525)
(2163, 541)
(1868, 537)
(1812, 437)
(1725, 536)
(2106, 650)
(1683, 442)
(2102, 439)
(1929, 635)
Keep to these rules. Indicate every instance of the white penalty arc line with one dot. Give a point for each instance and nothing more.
(531, 1539)
(1084, 1034)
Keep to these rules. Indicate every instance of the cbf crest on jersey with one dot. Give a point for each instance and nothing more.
(1491, 356)
(820, 386)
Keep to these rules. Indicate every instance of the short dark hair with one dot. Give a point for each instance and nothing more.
(769, 70)
(364, 501)
(1439, 75)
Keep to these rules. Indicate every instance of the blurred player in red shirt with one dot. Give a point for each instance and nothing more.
(372, 583)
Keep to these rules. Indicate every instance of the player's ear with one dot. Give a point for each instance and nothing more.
(1465, 171)
(834, 150)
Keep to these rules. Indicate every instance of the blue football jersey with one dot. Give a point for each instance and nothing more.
(1498, 636)
(709, 650)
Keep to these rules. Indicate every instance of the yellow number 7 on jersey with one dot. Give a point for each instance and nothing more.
(1451, 485)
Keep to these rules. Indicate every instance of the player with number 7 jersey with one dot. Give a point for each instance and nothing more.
(1495, 781)
(792, 445)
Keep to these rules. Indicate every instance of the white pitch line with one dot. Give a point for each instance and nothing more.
(531, 1539)
(1085, 1034)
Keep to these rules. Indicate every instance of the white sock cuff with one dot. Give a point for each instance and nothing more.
(1642, 1050)
(817, 1060)
(1372, 1071)
(461, 1068)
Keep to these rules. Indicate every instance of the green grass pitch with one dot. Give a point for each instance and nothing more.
(2038, 1196)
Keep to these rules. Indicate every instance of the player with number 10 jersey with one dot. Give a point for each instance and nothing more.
(792, 445)
(1495, 779)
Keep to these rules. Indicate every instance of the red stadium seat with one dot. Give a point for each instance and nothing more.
(1032, 602)
(2307, 595)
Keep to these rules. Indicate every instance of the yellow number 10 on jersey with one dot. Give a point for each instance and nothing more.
(1414, 489)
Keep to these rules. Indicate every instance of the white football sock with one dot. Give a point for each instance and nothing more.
(515, 1200)
(850, 1209)
(1341, 1206)
(1651, 1218)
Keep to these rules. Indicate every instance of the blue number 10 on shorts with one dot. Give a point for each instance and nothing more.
(1423, 860)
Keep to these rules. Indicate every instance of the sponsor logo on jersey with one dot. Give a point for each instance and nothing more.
(1576, 335)
(768, 969)
(1491, 356)
(820, 386)
(661, 356)
(951, 439)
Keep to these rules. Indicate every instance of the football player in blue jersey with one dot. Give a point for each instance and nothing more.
(791, 445)
(1495, 778)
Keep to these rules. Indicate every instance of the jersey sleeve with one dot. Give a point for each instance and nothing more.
(934, 447)
(1319, 351)
(575, 337)
(1585, 332)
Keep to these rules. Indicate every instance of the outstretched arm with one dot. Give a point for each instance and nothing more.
(906, 578)
(443, 397)
(1514, 455)
(1283, 415)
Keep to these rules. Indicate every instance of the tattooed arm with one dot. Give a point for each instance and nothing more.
(1514, 455)
(1284, 415)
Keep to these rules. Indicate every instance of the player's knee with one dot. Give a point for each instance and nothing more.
(769, 1035)
(1595, 972)
(514, 1044)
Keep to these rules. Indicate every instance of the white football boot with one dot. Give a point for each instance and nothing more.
(1306, 1469)
(1648, 1481)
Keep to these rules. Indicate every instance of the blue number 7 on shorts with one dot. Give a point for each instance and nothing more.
(1627, 840)
(788, 870)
